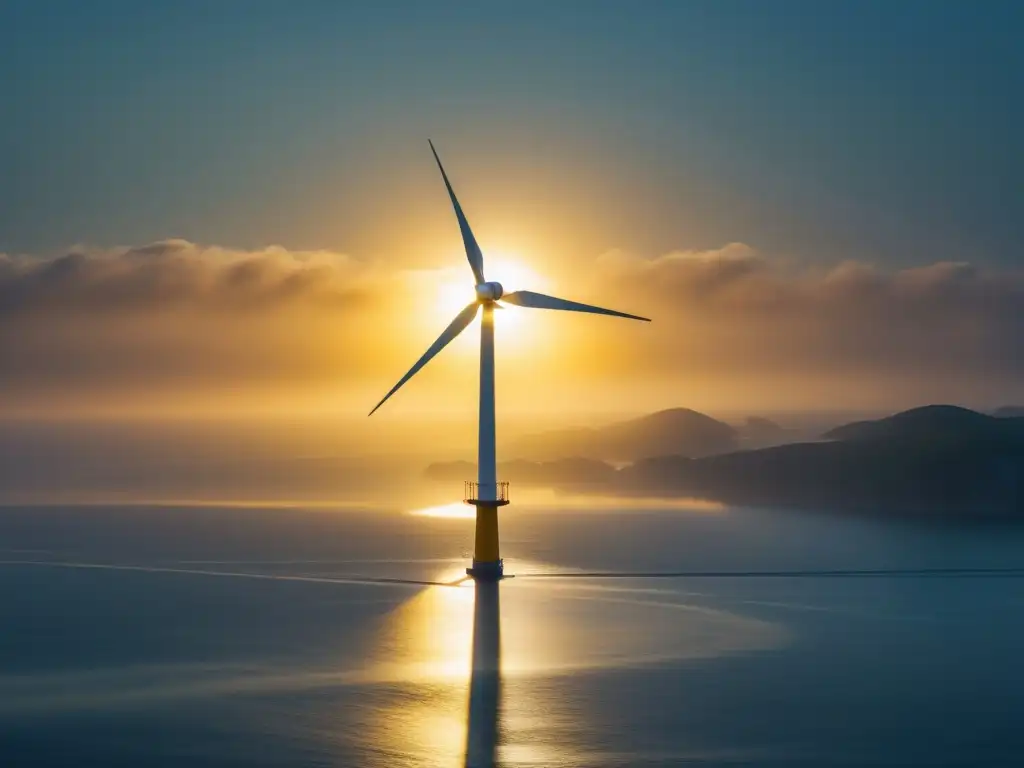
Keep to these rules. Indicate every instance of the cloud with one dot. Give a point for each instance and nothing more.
(176, 274)
(734, 311)
(175, 319)
(180, 320)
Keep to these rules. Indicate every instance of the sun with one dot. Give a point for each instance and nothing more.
(455, 288)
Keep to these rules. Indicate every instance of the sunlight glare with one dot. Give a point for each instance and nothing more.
(455, 509)
(425, 644)
(455, 288)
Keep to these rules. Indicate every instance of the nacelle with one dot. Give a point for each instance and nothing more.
(489, 291)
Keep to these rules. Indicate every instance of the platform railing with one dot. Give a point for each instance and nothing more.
(472, 493)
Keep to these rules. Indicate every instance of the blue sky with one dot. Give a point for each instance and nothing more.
(882, 131)
(826, 159)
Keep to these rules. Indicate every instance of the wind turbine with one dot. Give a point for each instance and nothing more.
(487, 494)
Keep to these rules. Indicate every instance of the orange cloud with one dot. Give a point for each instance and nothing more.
(177, 319)
(737, 305)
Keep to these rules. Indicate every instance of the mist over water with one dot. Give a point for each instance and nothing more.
(249, 636)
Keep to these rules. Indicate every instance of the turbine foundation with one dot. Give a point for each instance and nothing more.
(487, 562)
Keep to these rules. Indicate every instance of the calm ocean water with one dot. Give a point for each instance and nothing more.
(134, 636)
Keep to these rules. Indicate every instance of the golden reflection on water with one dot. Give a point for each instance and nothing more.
(424, 650)
(441, 658)
(455, 509)
(546, 498)
(556, 628)
(528, 499)
(426, 639)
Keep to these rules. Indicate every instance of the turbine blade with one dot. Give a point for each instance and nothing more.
(473, 253)
(458, 325)
(540, 301)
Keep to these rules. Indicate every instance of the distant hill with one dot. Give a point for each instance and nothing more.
(760, 427)
(674, 431)
(947, 479)
(935, 461)
(946, 423)
(1009, 412)
(759, 432)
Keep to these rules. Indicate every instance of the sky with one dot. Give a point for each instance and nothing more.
(232, 205)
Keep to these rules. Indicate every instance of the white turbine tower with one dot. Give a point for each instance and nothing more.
(487, 494)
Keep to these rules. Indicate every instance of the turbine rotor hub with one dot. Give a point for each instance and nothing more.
(489, 291)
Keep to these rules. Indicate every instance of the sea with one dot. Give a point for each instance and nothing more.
(642, 633)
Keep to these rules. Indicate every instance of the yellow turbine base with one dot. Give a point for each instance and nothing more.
(486, 549)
